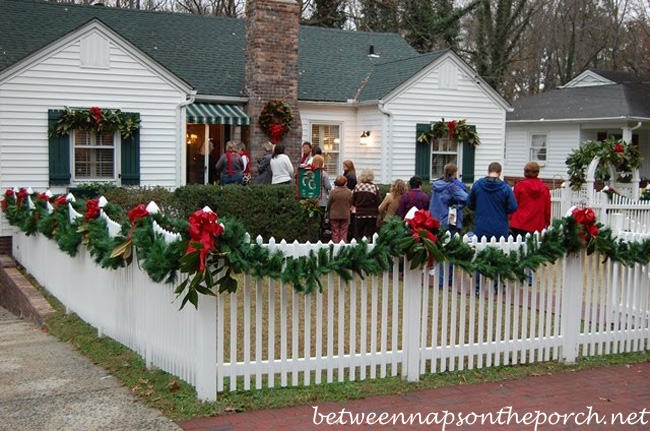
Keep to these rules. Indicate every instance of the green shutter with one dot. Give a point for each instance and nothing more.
(422, 154)
(130, 158)
(468, 161)
(59, 152)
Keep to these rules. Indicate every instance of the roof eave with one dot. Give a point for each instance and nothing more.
(578, 120)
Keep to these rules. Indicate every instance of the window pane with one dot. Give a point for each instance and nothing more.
(438, 162)
(538, 147)
(328, 138)
(94, 156)
(444, 151)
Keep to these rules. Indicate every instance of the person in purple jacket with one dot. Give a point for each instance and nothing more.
(415, 197)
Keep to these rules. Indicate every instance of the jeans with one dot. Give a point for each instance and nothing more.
(231, 179)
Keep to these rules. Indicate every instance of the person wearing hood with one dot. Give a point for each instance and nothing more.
(492, 201)
(533, 203)
(448, 197)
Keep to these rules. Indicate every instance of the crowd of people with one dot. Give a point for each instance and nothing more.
(353, 206)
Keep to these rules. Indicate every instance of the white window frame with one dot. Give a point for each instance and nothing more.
(436, 150)
(332, 167)
(533, 152)
(116, 158)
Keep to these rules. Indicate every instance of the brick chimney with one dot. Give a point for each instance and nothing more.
(272, 66)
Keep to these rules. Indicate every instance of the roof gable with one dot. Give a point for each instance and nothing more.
(209, 52)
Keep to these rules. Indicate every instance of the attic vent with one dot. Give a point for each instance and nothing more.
(371, 52)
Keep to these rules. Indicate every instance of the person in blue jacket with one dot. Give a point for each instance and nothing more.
(492, 201)
(448, 197)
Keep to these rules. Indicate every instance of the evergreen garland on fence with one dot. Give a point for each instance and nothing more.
(234, 253)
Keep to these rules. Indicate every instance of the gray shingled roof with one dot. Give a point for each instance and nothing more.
(208, 52)
(631, 98)
(388, 76)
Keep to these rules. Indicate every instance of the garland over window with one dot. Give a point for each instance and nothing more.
(623, 156)
(275, 119)
(453, 130)
(96, 120)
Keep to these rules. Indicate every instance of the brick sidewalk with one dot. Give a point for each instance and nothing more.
(622, 389)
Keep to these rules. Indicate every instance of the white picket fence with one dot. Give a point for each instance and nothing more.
(604, 205)
(267, 335)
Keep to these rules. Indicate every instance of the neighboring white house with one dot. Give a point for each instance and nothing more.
(594, 105)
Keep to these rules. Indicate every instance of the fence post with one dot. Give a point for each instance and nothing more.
(206, 348)
(613, 315)
(572, 306)
(565, 203)
(412, 321)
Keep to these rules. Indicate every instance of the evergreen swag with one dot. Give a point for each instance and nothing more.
(275, 119)
(96, 120)
(212, 252)
(625, 157)
(453, 130)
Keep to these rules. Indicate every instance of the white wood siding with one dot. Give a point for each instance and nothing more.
(560, 140)
(59, 81)
(425, 101)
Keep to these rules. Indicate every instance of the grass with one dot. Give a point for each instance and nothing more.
(177, 400)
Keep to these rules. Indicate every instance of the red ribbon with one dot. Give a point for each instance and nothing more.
(451, 125)
(96, 112)
(43, 197)
(21, 196)
(276, 130)
(423, 221)
(586, 218)
(619, 147)
(204, 227)
(92, 209)
(61, 200)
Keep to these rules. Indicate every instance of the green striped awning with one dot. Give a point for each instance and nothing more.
(213, 113)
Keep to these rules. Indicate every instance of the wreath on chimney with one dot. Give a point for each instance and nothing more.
(275, 119)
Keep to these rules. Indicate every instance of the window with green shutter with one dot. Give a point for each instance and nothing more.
(130, 158)
(422, 153)
(86, 156)
(58, 153)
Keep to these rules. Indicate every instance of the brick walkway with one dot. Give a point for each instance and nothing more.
(622, 389)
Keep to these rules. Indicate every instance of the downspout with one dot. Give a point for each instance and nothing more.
(388, 145)
(181, 126)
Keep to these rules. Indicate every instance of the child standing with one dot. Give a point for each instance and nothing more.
(338, 208)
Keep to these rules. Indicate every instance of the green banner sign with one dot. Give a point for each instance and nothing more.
(309, 183)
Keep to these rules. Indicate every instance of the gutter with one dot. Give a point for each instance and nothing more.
(579, 120)
(220, 99)
(181, 125)
(388, 145)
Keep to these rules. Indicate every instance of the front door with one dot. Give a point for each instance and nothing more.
(205, 143)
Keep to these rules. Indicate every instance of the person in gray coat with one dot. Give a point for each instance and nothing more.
(264, 174)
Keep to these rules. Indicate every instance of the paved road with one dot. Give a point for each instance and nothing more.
(47, 385)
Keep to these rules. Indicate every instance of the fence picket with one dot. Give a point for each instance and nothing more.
(402, 322)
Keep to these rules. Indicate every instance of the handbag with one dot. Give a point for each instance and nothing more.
(246, 179)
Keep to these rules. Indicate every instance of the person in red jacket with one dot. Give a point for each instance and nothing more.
(533, 203)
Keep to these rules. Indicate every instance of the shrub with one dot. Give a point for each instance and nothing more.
(266, 210)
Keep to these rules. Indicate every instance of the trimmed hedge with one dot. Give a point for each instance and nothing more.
(266, 210)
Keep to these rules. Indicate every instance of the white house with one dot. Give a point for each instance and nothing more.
(194, 84)
(594, 105)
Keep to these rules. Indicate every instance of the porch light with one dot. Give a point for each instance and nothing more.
(363, 140)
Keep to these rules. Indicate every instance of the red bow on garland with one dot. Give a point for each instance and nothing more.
(96, 112)
(586, 219)
(92, 209)
(204, 227)
(423, 222)
(451, 125)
